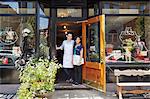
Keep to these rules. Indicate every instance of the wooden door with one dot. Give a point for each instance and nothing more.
(93, 39)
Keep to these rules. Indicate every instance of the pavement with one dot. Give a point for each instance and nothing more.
(8, 91)
(69, 91)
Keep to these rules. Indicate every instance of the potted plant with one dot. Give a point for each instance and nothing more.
(37, 79)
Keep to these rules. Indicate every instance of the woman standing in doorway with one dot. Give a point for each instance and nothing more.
(78, 61)
(67, 46)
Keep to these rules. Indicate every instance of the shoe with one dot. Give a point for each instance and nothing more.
(69, 81)
(76, 83)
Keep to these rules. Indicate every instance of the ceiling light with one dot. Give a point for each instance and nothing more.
(66, 32)
(64, 26)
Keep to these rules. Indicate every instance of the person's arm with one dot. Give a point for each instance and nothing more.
(81, 53)
(61, 47)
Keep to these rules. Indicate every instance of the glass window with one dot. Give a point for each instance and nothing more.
(127, 39)
(44, 9)
(91, 12)
(44, 49)
(69, 12)
(17, 7)
(93, 9)
(93, 42)
(107, 6)
(17, 38)
(45, 12)
(121, 7)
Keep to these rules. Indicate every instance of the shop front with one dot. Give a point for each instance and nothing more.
(115, 34)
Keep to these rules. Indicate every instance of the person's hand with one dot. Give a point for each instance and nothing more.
(56, 47)
(80, 60)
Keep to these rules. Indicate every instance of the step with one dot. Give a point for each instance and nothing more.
(69, 86)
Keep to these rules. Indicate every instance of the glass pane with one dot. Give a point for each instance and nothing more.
(45, 11)
(44, 49)
(127, 38)
(91, 12)
(17, 7)
(93, 9)
(93, 42)
(17, 38)
(121, 7)
(69, 12)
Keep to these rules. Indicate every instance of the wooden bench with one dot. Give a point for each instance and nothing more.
(131, 72)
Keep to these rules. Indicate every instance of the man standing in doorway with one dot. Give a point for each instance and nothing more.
(67, 46)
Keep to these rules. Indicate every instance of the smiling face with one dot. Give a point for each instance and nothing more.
(78, 40)
(69, 37)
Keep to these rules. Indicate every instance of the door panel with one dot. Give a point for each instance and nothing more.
(93, 39)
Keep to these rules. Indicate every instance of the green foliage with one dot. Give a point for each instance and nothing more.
(44, 51)
(37, 77)
(139, 26)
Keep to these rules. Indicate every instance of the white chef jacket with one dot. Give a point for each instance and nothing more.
(68, 53)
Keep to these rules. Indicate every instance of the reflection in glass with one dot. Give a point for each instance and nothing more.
(69, 12)
(45, 12)
(93, 42)
(131, 7)
(17, 7)
(91, 12)
(17, 38)
(44, 49)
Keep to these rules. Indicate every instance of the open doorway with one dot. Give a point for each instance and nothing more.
(62, 29)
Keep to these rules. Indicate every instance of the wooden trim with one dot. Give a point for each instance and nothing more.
(84, 48)
(136, 91)
(102, 52)
(93, 20)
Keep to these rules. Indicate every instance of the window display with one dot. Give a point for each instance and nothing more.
(133, 43)
(16, 38)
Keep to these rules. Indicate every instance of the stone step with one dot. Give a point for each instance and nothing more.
(69, 86)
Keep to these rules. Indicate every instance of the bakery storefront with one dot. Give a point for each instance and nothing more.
(115, 34)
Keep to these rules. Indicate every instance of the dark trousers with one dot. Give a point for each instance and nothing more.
(68, 73)
(78, 74)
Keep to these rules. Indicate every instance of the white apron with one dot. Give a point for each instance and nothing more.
(68, 54)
